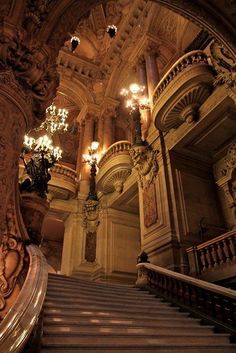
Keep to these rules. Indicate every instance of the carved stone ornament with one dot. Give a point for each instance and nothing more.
(11, 265)
(228, 178)
(35, 13)
(91, 215)
(224, 64)
(31, 66)
(145, 162)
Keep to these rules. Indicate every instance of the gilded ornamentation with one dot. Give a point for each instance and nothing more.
(11, 264)
(145, 162)
(36, 12)
(224, 64)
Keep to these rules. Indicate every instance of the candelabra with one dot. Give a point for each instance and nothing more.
(92, 159)
(136, 101)
(41, 157)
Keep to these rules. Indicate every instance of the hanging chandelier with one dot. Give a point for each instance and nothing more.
(42, 146)
(55, 120)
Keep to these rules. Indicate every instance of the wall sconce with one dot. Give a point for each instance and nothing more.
(92, 159)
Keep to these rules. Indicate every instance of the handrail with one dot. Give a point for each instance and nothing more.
(210, 301)
(117, 147)
(213, 253)
(18, 324)
(195, 56)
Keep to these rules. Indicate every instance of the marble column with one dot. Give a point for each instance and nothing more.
(151, 70)
(108, 131)
(145, 113)
(87, 140)
(100, 132)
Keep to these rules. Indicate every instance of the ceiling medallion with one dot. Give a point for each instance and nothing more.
(111, 30)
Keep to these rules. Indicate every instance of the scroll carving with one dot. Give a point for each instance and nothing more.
(145, 162)
(11, 265)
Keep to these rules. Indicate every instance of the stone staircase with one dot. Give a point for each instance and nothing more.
(81, 316)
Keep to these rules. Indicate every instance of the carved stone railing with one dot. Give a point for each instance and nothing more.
(114, 167)
(182, 90)
(214, 259)
(215, 304)
(21, 319)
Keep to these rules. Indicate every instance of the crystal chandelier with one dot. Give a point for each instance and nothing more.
(55, 120)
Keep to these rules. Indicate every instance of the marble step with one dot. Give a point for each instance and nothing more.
(83, 298)
(95, 320)
(101, 291)
(99, 312)
(106, 306)
(120, 330)
(113, 340)
(227, 348)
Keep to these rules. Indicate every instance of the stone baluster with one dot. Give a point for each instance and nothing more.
(203, 259)
(214, 255)
(226, 250)
(232, 247)
(220, 252)
(208, 258)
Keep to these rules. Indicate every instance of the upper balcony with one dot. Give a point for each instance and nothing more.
(114, 168)
(183, 89)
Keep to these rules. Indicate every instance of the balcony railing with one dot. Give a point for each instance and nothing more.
(182, 90)
(194, 57)
(114, 168)
(209, 258)
(122, 147)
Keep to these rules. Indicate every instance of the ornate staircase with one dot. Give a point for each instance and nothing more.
(82, 316)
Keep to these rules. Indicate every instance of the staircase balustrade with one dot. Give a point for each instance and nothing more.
(21, 319)
(213, 254)
(215, 304)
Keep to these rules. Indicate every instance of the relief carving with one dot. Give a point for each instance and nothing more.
(150, 206)
(34, 70)
(11, 265)
(90, 247)
(145, 162)
(224, 64)
(91, 215)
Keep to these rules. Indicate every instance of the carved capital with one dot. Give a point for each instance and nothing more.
(31, 65)
(145, 162)
(224, 64)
